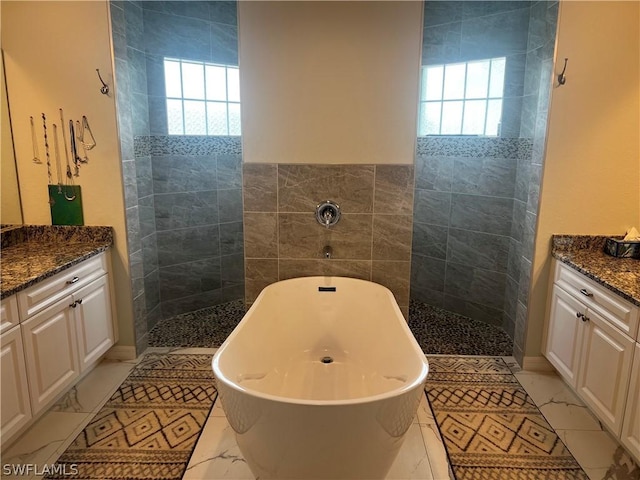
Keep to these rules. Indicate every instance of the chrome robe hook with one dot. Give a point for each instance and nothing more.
(562, 78)
(105, 88)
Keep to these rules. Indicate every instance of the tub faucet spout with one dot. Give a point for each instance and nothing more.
(328, 251)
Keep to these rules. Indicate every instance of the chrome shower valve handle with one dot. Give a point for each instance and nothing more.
(328, 213)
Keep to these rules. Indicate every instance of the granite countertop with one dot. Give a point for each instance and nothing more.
(32, 253)
(586, 255)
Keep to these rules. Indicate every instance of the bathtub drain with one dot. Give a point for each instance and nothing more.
(326, 359)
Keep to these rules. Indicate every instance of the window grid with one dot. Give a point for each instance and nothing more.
(206, 101)
(463, 98)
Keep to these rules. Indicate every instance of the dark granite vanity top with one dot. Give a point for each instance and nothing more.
(586, 255)
(32, 253)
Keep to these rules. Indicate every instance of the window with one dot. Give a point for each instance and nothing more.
(462, 98)
(202, 98)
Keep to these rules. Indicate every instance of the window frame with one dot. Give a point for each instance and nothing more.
(442, 101)
(230, 129)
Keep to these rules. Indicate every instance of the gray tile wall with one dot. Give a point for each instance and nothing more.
(372, 240)
(158, 211)
(463, 220)
(493, 209)
(538, 81)
(196, 181)
(476, 199)
(126, 20)
(201, 31)
(472, 30)
(198, 220)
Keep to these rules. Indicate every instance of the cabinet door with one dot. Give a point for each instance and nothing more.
(605, 369)
(15, 411)
(8, 314)
(94, 323)
(564, 334)
(631, 425)
(50, 352)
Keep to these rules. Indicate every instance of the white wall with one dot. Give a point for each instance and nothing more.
(591, 179)
(52, 50)
(329, 82)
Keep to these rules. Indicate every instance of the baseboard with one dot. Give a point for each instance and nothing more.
(121, 352)
(537, 364)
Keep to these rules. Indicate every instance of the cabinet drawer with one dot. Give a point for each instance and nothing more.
(48, 291)
(8, 313)
(620, 313)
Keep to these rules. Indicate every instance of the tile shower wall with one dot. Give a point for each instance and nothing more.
(477, 198)
(538, 79)
(197, 184)
(372, 240)
(191, 30)
(130, 73)
(463, 223)
(475, 30)
(161, 214)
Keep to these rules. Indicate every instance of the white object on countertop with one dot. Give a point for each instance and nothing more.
(632, 234)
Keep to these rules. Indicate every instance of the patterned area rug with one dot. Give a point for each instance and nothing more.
(150, 425)
(491, 428)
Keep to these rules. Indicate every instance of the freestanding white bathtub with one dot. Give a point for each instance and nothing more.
(321, 380)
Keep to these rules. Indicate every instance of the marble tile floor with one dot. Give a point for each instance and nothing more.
(422, 456)
(438, 331)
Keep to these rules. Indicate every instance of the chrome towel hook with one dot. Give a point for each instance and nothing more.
(105, 88)
(562, 78)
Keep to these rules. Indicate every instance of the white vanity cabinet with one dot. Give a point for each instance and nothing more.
(564, 341)
(51, 354)
(9, 317)
(94, 324)
(16, 408)
(630, 436)
(590, 339)
(66, 325)
(55, 288)
(605, 366)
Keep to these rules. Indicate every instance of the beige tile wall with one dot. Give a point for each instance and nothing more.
(372, 240)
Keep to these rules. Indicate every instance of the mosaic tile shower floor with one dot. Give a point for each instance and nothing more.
(440, 332)
(437, 331)
(206, 328)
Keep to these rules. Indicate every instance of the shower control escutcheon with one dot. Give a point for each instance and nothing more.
(328, 213)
